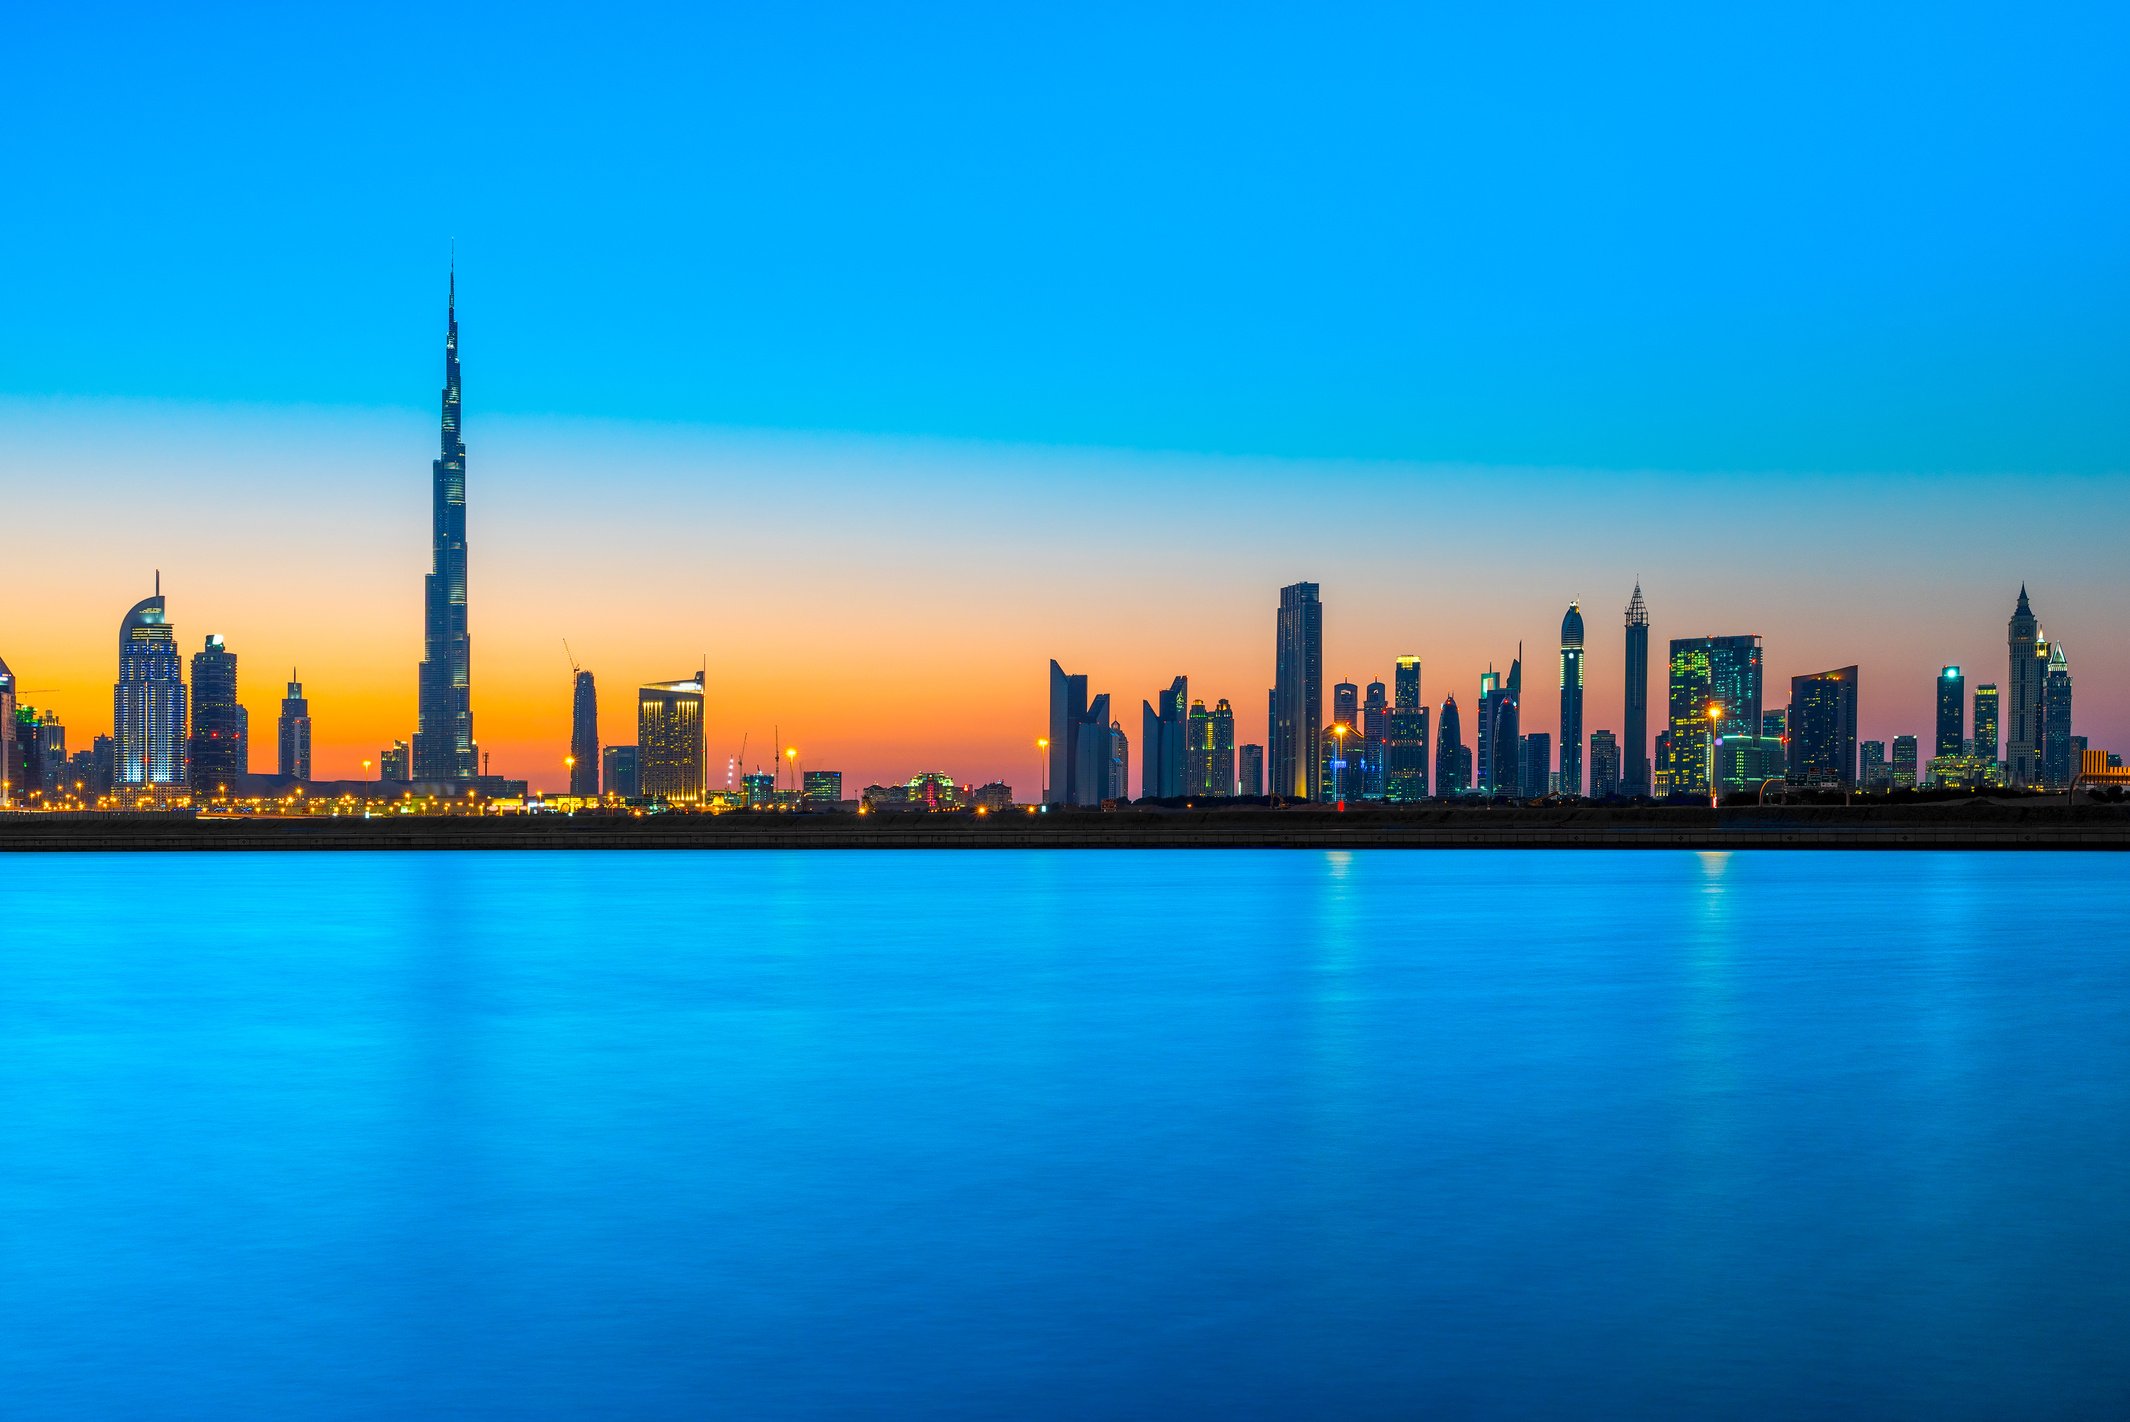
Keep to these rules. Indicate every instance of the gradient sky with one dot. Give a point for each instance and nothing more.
(883, 354)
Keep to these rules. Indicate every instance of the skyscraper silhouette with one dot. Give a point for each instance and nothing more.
(1952, 713)
(1162, 770)
(2028, 667)
(1822, 728)
(584, 737)
(10, 772)
(218, 741)
(1297, 693)
(2058, 759)
(1452, 759)
(443, 736)
(1571, 783)
(1634, 745)
(295, 734)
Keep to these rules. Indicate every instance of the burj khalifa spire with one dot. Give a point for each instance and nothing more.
(443, 737)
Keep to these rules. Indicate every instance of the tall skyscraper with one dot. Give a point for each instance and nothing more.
(1349, 778)
(1571, 782)
(1250, 770)
(2022, 747)
(10, 770)
(1298, 694)
(1604, 765)
(670, 760)
(1483, 728)
(218, 741)
(1405, 749)
(1117, 784)
(1634, 749)
(1375, 734)
(2058, 761)
(444, 749)
(1210, 753)
(1452, 759)
(148, 703)
(1723, 672)
(1952, 713)
(1822, 728)
(1984, 745)
(1904, 762)
(584, 737)
(618, 770)
(1501, 735)
(1162, 738)
(1537, 749)
(1081, 749)
(295, 730)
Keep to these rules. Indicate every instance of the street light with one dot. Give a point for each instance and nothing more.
(791, 758)
(1338, 765)
(1715, 714)
(1042, 775)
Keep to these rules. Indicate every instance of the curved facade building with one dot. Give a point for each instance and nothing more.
(1571, 783)
(148, 703)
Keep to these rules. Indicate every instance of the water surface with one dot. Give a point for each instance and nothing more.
(1118, 1134)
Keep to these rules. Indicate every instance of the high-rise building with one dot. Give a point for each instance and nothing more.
(1660, 774)
(218, 753)
(1162, 737)
(1873, 773)
(1984, 745)
(1536, 777)
(618, 770)
(1501, 732)
(1210, 738)
(1405, 749)
(822, 787)
(1604, 765)
(2028, 668)
(396, 762)
(2057, 758)
(1723, 673)
(584, 737)
(1571, 781)
(1298, 694)
(1822, 726)
(1952, 713)
(444, 748)
(295, 735)
(10, 768)
(1904, 762)
(1405, 683)
(1375, 734)
(1775, 725)
(1634, 749)
(148, 703)
(1119, 783)
(49, 748)
(670, 762)
(1081, 752)
(1251, 768)
(1452, 760)
(1343, 741)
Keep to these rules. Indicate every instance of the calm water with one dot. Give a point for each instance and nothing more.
(1054, 1135)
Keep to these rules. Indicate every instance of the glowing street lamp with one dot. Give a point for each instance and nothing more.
(1042, 761)
(1338, 765)
(1715, 714)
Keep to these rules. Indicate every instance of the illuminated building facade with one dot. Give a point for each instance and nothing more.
(821, 787)
(1501, 730)
(1342, 750)
(1163, 734)
(10, 766)
(148, 713)
(444, 749)
(1405, 749)
(1822, 726)
(1298, 694)
(1604, 765)
(1952, 713)
(1210, 750)
(1571, 771)
(1634, 750)
(584, 737)
(1873, 772)
(2026, 671)
(218, 753)
(1984, 744)
(2058, 758)
(1724, 672)
(396, 763)
(669, 742)
(1903, 767)
(295, 737)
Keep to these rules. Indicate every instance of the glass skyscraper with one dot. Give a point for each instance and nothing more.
(218, 754)
(1250, 769)
(295, 735)
(1571, 781)
(1452, 760)
(1604, 765)
(1719, 672)
(1822, 727)
(2028, 665)
(669, 742)
(1984, 745)
(1952, 713)
(444, 749)
(2058, 761)
(1210, 755)
(148, 703)
(1297, 694)
(1162, 736)
(1082, 755)
(10, 770)
(1634, 748)
(584, 737)
(1405, 777)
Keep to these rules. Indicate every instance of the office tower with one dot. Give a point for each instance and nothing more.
(1571, 782)
(1405, 778)
(148, 703)
(1298, 694)
(1347, 748)
(1536, 776)
(1162, 737)
(295, 731)
(1719, 672)
(1405, 683)
(1604, 765)
(396, 763)
(825, 787)
(49, 750)
(1873, 773)
(1822, 727)
(584, 738)
(1984, 746)
(2057, 760)
(1375, 734)
(1210, 757)
(1251, 770)
(1660, 773)
(1775, 725)
(443, 737)
(2022, 746)
(1450, 758)
(1904, 762)
(1952, 713)
(1489, 692)
(619, 772)
(1119, 782)
(218, 751)
(1501, 734)
(1634, 750)
(670, 762)
(10, 770)
(1081, 752)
